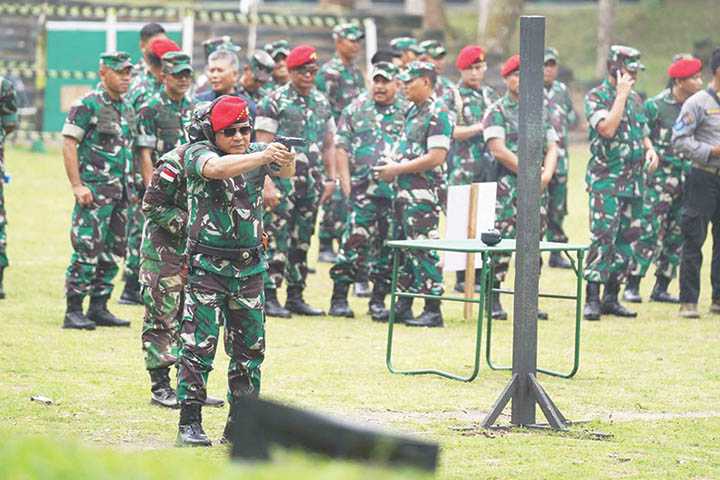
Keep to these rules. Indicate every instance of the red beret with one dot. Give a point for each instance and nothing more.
(161, 46)
(685, 67)
(301, 55)
(510, 65)
(469, 55)
(228, 111)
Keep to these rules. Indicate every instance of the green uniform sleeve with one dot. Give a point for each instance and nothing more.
(195, 159)
(267, 115)
(79, 119)
(344, 134)
(159, 200)
(440, 131)
(494, 124)
(147, 125)
(597, 108)
(8, 105)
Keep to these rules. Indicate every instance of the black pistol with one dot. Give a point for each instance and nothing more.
(289, 142)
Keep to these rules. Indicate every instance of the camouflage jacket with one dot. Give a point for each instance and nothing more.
(427, 126)
(447, 91)
(165, 209)
(561, 112)
(8, 108)
(142, 88)
(369, 132)
(662, 111)
(105, 130)
(286, 112)
(163, 124)
(270, 87)
(340, 83)
(616, 164)
(255, 96)
(224, 213)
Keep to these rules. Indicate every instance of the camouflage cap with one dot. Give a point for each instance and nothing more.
(176, 62)
(433, 48)
(279, 47)
(406, 43)
(116, 60)
(416, 70)
(350, 31)
(627, 56)
(386, 70)
(551, 54)
(218, 43)
(262, 65)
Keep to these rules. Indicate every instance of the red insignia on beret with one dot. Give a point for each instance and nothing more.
(229, 111)
(161, 46)
(685, 67)
(301, 55)
(510, 65)
(469, 55)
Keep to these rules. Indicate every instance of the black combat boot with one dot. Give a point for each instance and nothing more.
(376, 306)
(403, 309)
(558, 260)
(660, 291)
(361, 289)
(229, 426)
(543, 315)
(430, 317)
(497, 312)
(632, 289)
(2, 291)
(339, 306)
(131, 292)
(610, 304)
(190, 431)
(273, 307)
(161, 393)
(591, 311)
(99, 313)
(296, 304)
(213, 402)
(459, 281)
(326, 253)
(74, 317)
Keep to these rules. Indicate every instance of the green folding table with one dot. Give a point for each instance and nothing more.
(575, 254)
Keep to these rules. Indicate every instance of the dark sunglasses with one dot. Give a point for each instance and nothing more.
(307, 69)
(232, 131)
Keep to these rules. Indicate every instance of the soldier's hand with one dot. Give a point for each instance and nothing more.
(328, 190)
(345, 185)
(83, 195)
(271, 196)
(278, 153)
(625, 83)
(388, 171)
(651, 160)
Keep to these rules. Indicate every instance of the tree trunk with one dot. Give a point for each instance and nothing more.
(500, 24)
(606, 20)
(434, 18)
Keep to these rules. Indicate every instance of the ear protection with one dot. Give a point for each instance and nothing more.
(201, 117)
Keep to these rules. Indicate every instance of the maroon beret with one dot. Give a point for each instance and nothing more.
(510, 65)
(685, 67)
(228, 111)
(301, 55)
(469, 55)
(161, 46)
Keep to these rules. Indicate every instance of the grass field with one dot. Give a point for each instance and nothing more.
(647, 388)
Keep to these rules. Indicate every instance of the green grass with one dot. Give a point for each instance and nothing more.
(651, 383)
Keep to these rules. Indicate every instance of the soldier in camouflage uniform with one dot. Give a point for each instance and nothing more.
(278, 50)
(148, 33)
(620, 148)
(98, 140)
(501, 135)
(419, 171)
(435, 53)
(211, 45)
(409, 49)
(141, 90)
(562, 117)
(8, 123)
(341, 80)
(223, 70)
(297, 109)
(662, 196)
(225, 177)
(469, 161)
(368, 132)
(255, 75)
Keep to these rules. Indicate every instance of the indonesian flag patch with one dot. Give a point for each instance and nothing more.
(169, 173)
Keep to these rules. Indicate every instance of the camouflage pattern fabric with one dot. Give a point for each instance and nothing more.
(562, 116)
(469, 161)
(286, 112)
(417, 211)
(256, 96)
(163, 124)
(224, 214)
(368, 132)
(614, 180)
(105, 130)
(662, 197)
(8, 118)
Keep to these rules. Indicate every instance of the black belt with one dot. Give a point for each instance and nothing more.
(249, 256)
(707, 168)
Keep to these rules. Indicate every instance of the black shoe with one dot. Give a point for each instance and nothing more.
(311, 269)
(214, 402)
(660, 293)
(497, 312)
(591, 311)
(131, 292)
(542, 315)
(161, 393)
(190, 431)
(2, 291)
(403, 310)
(273, 307)
(362, 289)
(459, 287)
(610, 304)
(339, 306)
(102, 317)
(632, 289)
(74, 317)
(296, 304)
(558, 260)
(376, 306)
(430, 317)
(326, 253)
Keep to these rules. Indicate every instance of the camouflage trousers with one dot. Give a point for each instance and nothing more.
(135, 223)
(295, 221)
(616, 225)
(276, 223)
(237, 304)
(417, 217)
(162, 294)
(557, 208)
(363, 242)
(662, 241)
(3, 220)
(97, 236)
(334, 217)
(506, 219)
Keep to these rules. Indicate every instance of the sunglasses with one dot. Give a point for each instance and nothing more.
(312, 70)
(232, 131)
